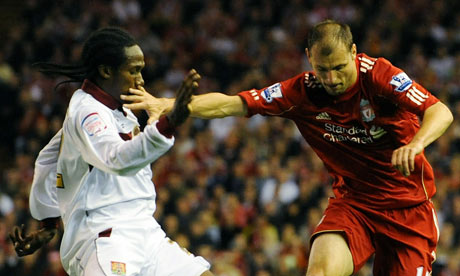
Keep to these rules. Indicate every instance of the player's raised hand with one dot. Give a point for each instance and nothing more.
(28, 244)
(180, 111)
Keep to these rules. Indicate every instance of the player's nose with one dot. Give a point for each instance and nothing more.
(331, 78)
(140, 81)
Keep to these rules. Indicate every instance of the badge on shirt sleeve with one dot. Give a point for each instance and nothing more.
(272, 92)
(93, 124)
(401, 81)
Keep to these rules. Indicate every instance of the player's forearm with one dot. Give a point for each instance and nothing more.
(216, 105)
(436, 120)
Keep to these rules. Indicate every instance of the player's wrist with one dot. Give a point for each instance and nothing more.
(165, 127)
(168, 104)
(50, 223)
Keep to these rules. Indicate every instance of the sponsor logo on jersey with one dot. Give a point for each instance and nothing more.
(118, 268)
(367, 113)
(272, 92)
(401, 81)
(359, 135)
(377, 132)
(93, 124)
(323, 116)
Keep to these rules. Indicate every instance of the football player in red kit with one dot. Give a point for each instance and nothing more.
(361, 116)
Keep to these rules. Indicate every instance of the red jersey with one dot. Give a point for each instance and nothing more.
(356, 132)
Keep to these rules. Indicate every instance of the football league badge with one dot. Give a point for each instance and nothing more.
(118, 268)
(401, 82)
(272, 92)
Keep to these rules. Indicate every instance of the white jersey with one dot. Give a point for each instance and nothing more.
(100, 167)
(43, 199)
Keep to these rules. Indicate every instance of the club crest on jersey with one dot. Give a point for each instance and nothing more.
(401, 81)
(118, 268)
(367, 113)
(93, 124)
(272, 92)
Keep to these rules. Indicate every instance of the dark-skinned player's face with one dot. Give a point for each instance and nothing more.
(129, 74)
(337, 70)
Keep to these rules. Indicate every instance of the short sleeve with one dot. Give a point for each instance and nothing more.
(394, 84)
(277, 99)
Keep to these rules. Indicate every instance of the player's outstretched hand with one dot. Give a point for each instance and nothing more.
(180, 111)
(140, 99)
(28, 244)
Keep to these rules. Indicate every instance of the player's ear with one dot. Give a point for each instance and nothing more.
(308, 54)
(104, 71)
(353, 51)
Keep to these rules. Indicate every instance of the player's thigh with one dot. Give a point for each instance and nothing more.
(408, 246)
(403, 261)
(173, 260)
(330, 256)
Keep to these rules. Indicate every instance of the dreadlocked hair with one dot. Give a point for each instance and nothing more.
(103, 47)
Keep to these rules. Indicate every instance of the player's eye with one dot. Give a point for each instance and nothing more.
(135, 70)
(322, 70)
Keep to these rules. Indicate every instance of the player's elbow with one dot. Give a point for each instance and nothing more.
(447, 115)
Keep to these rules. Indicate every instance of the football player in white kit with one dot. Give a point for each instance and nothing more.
(103, 189)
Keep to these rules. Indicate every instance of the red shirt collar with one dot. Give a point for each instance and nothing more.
(100, 95)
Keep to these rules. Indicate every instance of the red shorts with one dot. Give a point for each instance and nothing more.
(403, 240)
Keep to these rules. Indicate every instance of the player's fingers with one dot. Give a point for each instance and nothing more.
(397, 160)
(137, 91)
(135, 106)
(17, 233)
(192, 77)
(405, 162)
(412, 160)
(195, 75)
(131, 98)
(23, 231)
(13, 239)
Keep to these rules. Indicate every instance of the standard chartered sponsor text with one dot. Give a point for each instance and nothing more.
(354, 134)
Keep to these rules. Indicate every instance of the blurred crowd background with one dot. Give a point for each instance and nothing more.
(243, 193)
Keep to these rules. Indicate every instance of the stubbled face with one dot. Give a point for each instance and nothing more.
(129, 75)
(336, 71)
